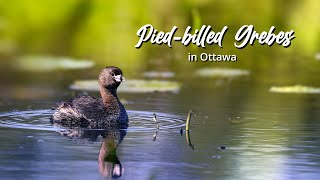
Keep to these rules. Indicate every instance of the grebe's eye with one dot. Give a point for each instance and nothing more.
(112, 74)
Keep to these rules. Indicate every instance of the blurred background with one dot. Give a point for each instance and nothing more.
(41, 43)
(105, 32)
(45, 46)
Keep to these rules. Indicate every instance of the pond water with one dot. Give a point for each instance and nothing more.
(240, 129)
(238, 132)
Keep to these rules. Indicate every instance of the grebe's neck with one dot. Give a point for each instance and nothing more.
(109, 96)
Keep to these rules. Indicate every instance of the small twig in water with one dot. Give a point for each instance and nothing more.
(188, 120)
(187, 130)
(155, 119)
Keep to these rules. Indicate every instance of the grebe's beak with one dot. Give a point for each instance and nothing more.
(119, 78)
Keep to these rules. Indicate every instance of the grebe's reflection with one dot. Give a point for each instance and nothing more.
(108, 161)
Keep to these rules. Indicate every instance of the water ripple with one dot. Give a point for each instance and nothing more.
(39, 120)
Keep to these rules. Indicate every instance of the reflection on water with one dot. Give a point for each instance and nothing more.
(108, 161)
(111, 135)
(242, 131)
(271, 139)
(109, 164)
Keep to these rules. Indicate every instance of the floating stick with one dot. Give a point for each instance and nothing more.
(155, 119)
(187, 130)
(188, 120)
(189, 140)
(157, 125)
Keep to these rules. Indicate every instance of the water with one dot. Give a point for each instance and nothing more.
(38, 120)
(240, 130)
(31, 147)
(260, 136)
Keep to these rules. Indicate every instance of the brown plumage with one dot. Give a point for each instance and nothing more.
(90, 112)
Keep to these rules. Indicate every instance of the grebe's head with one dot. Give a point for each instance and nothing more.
(110, 77)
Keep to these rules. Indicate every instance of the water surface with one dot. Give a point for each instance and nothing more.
(252, 136)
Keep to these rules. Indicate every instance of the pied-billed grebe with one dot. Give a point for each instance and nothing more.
(87, 111)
